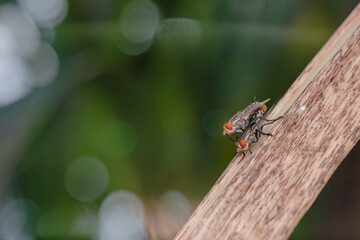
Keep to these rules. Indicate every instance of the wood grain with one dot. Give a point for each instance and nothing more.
(265, 195)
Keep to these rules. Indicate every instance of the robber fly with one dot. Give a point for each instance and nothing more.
(241, 120)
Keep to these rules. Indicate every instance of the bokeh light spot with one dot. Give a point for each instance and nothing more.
(303, 108)
(85, 223)
(139, 21)
(18, 218)
(121, 217)
(47, 13)
(86, 179)
(176, 205)
(44, 65)
(180, 33)
(23, 29)
(7, 41)
(13, 79)
(213, 121)
(134, 49)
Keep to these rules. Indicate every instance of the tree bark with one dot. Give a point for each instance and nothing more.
(264, 195)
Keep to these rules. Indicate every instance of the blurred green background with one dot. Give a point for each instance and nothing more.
(111, 111)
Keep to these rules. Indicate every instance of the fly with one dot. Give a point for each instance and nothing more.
(253, 133)
(243, 119)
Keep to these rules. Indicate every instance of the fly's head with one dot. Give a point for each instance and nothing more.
(241, 125)
(228, 129)
(261, 111)
(241, 145)
(263, 108)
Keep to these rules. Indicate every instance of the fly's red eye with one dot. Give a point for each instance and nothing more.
(242, 143)
(228, 126)
(263, 108)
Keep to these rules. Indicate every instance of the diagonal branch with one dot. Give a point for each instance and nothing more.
(264, 195)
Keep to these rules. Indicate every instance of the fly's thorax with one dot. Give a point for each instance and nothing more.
(251, 138)
(257, 117)
(240, 126)
(238, 123)
(241, 123)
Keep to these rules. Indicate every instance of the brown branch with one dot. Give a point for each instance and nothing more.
(265, 195)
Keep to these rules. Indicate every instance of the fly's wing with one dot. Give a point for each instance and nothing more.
(249, 111)
(238, 116)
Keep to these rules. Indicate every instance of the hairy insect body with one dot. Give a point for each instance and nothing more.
(248, 139)
(241, 120)
(254, 132)
(248, 122)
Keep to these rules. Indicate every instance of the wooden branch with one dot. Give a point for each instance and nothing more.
(265, 195)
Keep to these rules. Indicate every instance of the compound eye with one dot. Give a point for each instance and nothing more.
(242, 143)
(263, 108)
(228, 126)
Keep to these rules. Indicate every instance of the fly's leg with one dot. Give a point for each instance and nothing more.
(230, 138)
(238, 150)
(242, 152)
(237, 137)
(272, 120)
(257, 134)
(239, 130)
(269, 122)
(252, 121)
(263, 133)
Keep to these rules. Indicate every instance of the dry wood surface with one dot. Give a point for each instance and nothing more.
(264, 195)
